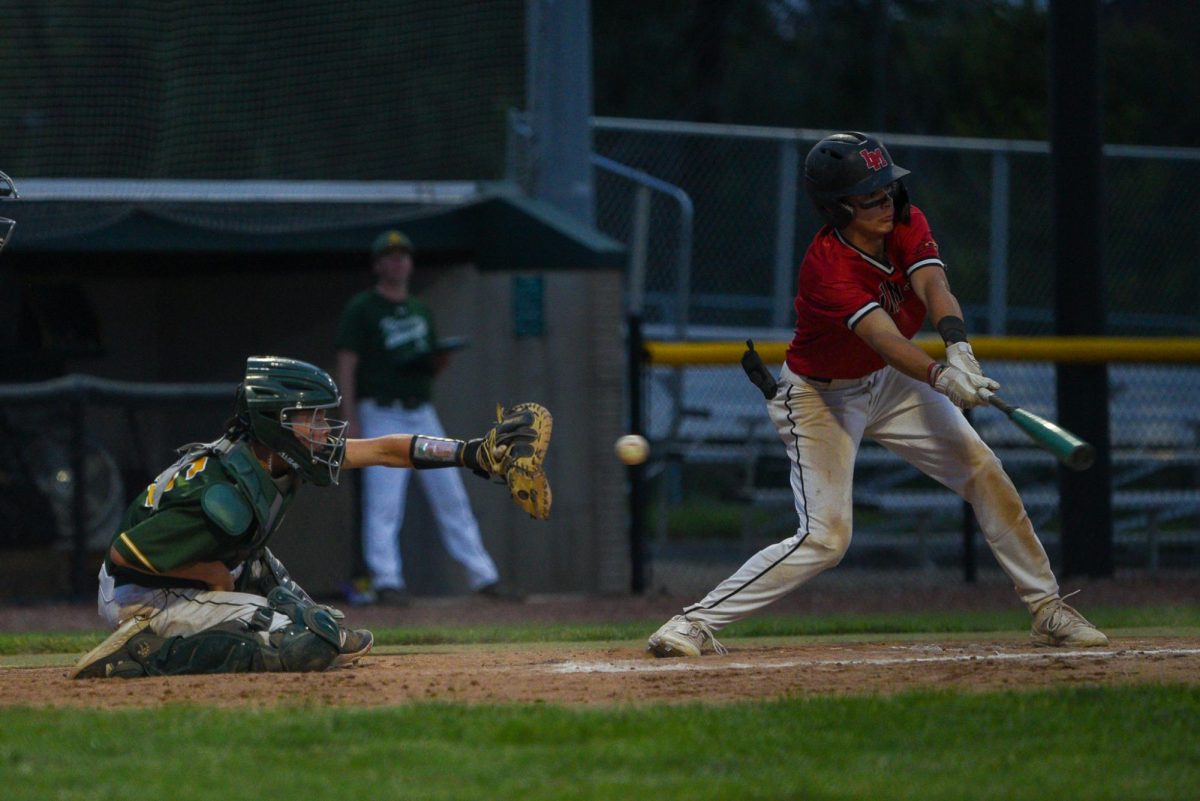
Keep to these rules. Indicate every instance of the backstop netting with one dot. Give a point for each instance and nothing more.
(306, 89)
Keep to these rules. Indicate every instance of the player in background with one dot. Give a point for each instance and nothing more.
(387, 360)
(189, 582)
(866, 284)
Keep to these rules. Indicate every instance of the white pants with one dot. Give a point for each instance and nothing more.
(821, 425)
(178, 611)
(384, 491)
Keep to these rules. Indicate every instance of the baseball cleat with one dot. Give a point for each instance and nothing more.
(356, 643)
(1056, 623)
(680, 636)
(120, 655)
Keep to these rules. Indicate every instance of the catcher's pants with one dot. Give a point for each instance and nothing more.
(178, 611)
(384, 491)
(821, 425)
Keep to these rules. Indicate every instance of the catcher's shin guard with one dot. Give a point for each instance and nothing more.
(225, 648)
(312, 642)
(233, 648)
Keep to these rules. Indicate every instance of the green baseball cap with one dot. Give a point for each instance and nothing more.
(389, 241)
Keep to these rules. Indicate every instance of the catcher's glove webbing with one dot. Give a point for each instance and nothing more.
(513, 451)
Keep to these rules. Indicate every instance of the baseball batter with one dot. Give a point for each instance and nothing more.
(189, 582)
(866, 284)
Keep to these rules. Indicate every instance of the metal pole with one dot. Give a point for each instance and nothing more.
(558, 94)
(1079, 297)
(998, 256)
(634, 361)
(785, 234)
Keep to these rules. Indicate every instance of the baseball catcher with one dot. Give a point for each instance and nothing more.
(189, 583)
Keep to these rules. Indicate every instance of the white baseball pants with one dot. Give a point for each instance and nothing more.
(821, 425)
(178, 611)
(384, 491)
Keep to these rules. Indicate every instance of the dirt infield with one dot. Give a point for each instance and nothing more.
(605, 673)
(608, 675)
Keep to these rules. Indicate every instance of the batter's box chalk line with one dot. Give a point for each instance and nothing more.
(715, 664)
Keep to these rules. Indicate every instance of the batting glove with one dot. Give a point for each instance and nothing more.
(962, 388)
(961, 356)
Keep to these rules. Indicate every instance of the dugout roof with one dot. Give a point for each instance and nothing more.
(491, 224)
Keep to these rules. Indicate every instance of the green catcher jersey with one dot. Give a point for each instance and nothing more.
(213, 509)
(394, 343)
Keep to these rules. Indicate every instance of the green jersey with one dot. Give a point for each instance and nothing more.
(394, 343)
(215, 508)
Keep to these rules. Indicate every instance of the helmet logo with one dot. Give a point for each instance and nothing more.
(874, 158)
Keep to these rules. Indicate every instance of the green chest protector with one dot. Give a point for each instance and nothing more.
(222, 503)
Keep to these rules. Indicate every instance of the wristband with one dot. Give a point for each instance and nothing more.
(952, 329)
(427, 452)
(935, 370)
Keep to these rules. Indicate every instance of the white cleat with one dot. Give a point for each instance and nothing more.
(682, 637)
(1056, 623)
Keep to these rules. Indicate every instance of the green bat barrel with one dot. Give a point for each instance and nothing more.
(1070, 449)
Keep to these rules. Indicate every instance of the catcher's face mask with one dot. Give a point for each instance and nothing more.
(321, 436)
(7, 190)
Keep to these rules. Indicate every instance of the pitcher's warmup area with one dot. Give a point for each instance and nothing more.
(757, 668)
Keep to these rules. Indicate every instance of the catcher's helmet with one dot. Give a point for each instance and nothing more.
(8, 190)
(851, 163)
(276, 389)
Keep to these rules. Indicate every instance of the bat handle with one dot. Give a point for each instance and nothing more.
(994, 400)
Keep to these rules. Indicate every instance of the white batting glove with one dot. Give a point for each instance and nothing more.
(962, 388)
(961, 356)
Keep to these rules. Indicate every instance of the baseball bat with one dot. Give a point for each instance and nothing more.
(1066, 447)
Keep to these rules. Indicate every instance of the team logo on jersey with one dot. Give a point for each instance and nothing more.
(890, 297)
(874, 158)
(399, 332)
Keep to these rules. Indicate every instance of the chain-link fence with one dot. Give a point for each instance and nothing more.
(988, 201)
(736, 196)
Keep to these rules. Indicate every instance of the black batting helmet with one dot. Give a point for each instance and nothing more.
(851, 163)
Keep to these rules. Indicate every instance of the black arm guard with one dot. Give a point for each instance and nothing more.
(952, 329)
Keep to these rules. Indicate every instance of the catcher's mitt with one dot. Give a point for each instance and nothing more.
(512, 451)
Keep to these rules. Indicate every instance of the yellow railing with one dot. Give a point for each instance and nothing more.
(1076, 350)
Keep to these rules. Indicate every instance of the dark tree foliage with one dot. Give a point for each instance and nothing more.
(943, 67)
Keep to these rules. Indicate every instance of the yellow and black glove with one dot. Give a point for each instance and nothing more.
(512, 451)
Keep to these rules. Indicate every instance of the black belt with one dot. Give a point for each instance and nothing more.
(818, 379)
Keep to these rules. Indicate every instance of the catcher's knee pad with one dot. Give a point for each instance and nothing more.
(225, 648)
(313, 639)
(298, 649)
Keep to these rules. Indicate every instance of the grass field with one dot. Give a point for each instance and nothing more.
(1069, 742)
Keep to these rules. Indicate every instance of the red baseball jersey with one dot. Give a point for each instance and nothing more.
(840, 284)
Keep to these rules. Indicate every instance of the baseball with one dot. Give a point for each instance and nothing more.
(632, 449)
